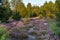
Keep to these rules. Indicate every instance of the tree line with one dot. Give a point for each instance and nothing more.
(18, 10)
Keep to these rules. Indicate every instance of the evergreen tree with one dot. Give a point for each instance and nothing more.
(29, 9)
(58, 13)
(57, 2)
(18, 6)
(5, 14)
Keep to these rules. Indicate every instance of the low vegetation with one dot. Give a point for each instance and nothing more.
(33, 33)
(4, 34)
(19, 11)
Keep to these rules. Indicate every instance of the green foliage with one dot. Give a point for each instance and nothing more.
(23, 36)
(54, 27)
(57, 16)
(16, 16)
(29, 9)
(5, 14)
(3, 34)
(33, 33)
(57, 2)
(47, 10)
(6, 3)
(58, 24)
(33, 15)
(35, 11)
(5, 37)
(58, 19)
(2, 31)
(43, 32)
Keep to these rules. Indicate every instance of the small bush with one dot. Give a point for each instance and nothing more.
(30, 26)
(43, 32)
(16, 16)
(54, 28)
(3, 34)
(5, 37)
(58, 19)
(33, 15)
(23, 36)
(33, 33)
(58, 24)
(2, 31)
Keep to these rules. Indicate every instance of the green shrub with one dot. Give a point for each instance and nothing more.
(30, 26)
(54, 28)
(33, 33)
(58, 19)
(5, 14)
(5, 37)
(2, 31)
(33, 15)
(58, 23)
(23, 36)
(3, 34)
(43, 32)
(16, 16)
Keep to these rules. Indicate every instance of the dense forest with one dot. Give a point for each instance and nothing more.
(16, 10)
